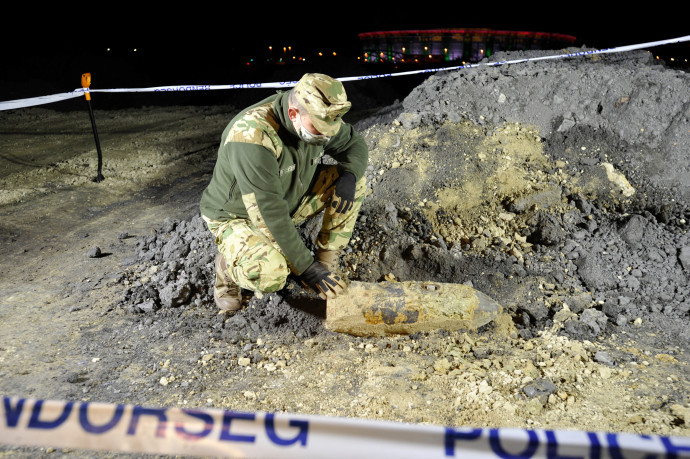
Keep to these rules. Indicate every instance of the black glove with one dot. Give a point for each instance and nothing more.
(322, 281)
(344, 195)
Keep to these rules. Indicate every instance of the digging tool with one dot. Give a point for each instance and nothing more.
(387, 308)
(85, 83)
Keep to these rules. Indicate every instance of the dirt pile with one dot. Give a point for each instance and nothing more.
(488, 171)
(523, 180)
(545, 185)
(556, 187)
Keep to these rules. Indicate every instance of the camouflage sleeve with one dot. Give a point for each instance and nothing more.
(257, 174)
(349, 148)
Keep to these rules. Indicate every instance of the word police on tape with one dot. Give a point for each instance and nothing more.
(216, 432)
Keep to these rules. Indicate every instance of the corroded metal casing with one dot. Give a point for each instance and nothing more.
(377, 309)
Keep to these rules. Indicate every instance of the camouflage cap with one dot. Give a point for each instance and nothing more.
(324, 99)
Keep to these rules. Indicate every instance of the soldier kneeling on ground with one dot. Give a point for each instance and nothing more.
(268, 179)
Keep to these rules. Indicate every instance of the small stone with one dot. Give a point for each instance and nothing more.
(635, 419)
(539, 388)
(484, 388)
(603, 357)
(95, 252)
(147, 306)
(243, 361)
(684, 257)
(605, 372)
(442, 365)
(681, 412)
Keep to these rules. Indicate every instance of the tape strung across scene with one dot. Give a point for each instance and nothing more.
(22, 103)
(221, 433)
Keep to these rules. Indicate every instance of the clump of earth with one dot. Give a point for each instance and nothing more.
(559, 188)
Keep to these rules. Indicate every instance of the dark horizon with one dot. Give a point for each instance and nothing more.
(233, 30)
(204, 46)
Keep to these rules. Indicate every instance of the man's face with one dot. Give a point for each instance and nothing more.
(302, 118)
(305, 128)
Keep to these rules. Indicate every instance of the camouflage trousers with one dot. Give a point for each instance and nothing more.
(256, 262)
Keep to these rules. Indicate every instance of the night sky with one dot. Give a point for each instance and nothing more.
(193, 40)
(195, 27)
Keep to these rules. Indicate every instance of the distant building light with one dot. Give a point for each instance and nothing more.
(455, 45)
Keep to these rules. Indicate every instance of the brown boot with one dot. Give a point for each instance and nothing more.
(225, 291)
(329, 258)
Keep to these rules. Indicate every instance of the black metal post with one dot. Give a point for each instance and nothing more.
(86, 82)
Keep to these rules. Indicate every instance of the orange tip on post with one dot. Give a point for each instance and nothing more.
(85, 83)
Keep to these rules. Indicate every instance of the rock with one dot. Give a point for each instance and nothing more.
(612, 308)
(539, 388)
(547, 229)
(442, 365)
(173, 295)
(603, 357)
(168, 225)
(409, 120)
(632, 231)
(594, 319)
(148, 306)
(579, 302)
(94, 252)
(541, 200)
(681, 412)
(582, 204)
(684, 257)
(566, 124)
(618, 180)
(175, 249)
(76, 377)
(605, 372)
(537, 310)
(594, 272)
(564, 315)
(390, 216)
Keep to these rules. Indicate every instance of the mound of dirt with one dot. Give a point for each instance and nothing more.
(545, 186)
(556, 187)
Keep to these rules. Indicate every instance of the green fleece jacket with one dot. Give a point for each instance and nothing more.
(263, 165)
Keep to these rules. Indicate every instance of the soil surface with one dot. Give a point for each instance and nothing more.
(558, 188)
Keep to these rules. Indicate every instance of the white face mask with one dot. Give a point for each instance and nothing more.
(311, 139)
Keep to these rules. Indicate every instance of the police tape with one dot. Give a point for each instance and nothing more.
(29, 102)
(222, 433)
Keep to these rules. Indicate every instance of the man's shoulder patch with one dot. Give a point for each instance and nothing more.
(258, 126)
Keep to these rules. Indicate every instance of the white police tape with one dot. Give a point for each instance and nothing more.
(21, 103)
(222, 433)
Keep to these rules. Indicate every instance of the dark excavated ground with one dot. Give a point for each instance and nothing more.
(626, 257)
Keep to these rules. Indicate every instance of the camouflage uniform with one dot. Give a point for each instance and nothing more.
(267, 180)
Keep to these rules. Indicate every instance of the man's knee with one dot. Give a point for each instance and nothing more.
(265, 274)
